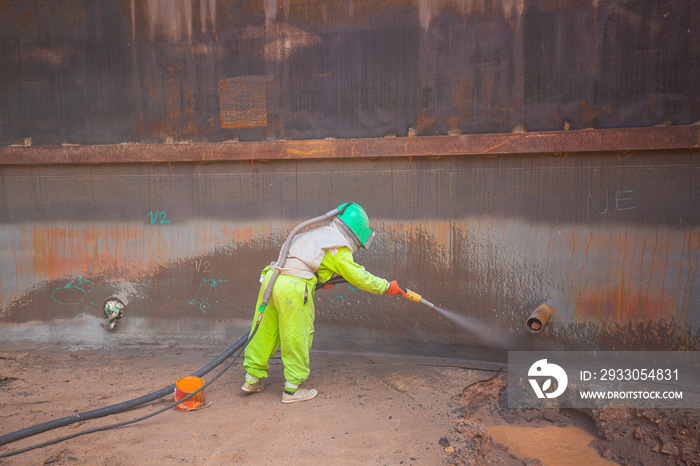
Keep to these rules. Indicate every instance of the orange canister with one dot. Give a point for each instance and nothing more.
(186, 386)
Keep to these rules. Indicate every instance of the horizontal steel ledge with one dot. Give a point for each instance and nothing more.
(554, 142)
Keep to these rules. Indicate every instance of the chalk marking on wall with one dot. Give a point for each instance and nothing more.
(75, 294)
(204, 305)
(623, 201)
(202, 266)
(158, 214)
(340, 299)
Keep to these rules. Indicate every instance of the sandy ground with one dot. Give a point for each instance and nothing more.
(371, 410)
(368, 411)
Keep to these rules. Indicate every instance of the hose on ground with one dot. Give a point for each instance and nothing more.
(119, 407)
(210, 366)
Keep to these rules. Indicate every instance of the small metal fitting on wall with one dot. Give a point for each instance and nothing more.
(114, 308)
(539, 317)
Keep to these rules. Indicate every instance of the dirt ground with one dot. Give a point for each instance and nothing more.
(567, 436)
(370, 410)
(367, 412)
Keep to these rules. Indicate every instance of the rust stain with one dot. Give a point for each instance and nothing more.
(587, 114)
(478, 256)
(549, 245)
(622, 311)
(651, 267)
(41, 259)
(641, 266)
(173, 99)
(603, 306)
(572, 242)
(551, 5)
(459, 95)
(489, 83)
(157, 129)
(680, 266)
(635, 288)
(695, 270)
(26, 19)
(691, 271)
(307, 152)
(125, 250)
(442, 235)
(189, 112)
(618, 296)
(609, 248)
(492, 149)
(79, 15)
(583, 267)
(630, 309)
(425, 120)
(243, 101)
(663, 288)
(453, 121)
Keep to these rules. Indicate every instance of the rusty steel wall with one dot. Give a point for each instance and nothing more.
(611, 241)
(154, 71)
(509, 152)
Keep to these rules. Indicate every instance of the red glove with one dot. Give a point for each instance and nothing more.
(328, 286)
(395, 289)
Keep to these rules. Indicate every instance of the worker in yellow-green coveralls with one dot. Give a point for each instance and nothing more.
(288, 320)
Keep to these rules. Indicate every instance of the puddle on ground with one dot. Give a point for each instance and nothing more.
(551, 445)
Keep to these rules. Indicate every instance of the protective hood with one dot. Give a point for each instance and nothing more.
(307, 250)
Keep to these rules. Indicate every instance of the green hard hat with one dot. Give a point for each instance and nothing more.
(355, 219)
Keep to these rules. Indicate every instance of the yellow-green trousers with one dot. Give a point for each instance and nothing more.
(288, 324)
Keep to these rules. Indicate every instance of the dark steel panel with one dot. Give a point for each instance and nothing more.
(105, 72)
(642, 187)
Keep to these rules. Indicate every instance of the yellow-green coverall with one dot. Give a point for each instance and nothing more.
(288, 320)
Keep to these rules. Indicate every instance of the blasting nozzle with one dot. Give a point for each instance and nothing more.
(415, 297)
(412, 295)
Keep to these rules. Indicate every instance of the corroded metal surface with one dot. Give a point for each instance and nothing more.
(622, 141)
(157, 71)
(401, 105)
(612, 243)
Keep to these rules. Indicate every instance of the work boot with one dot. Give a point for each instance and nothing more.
(256, 387)
(300, 395)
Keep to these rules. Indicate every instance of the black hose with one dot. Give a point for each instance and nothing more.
(119, 407)
(132, 421)
(333, 281)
